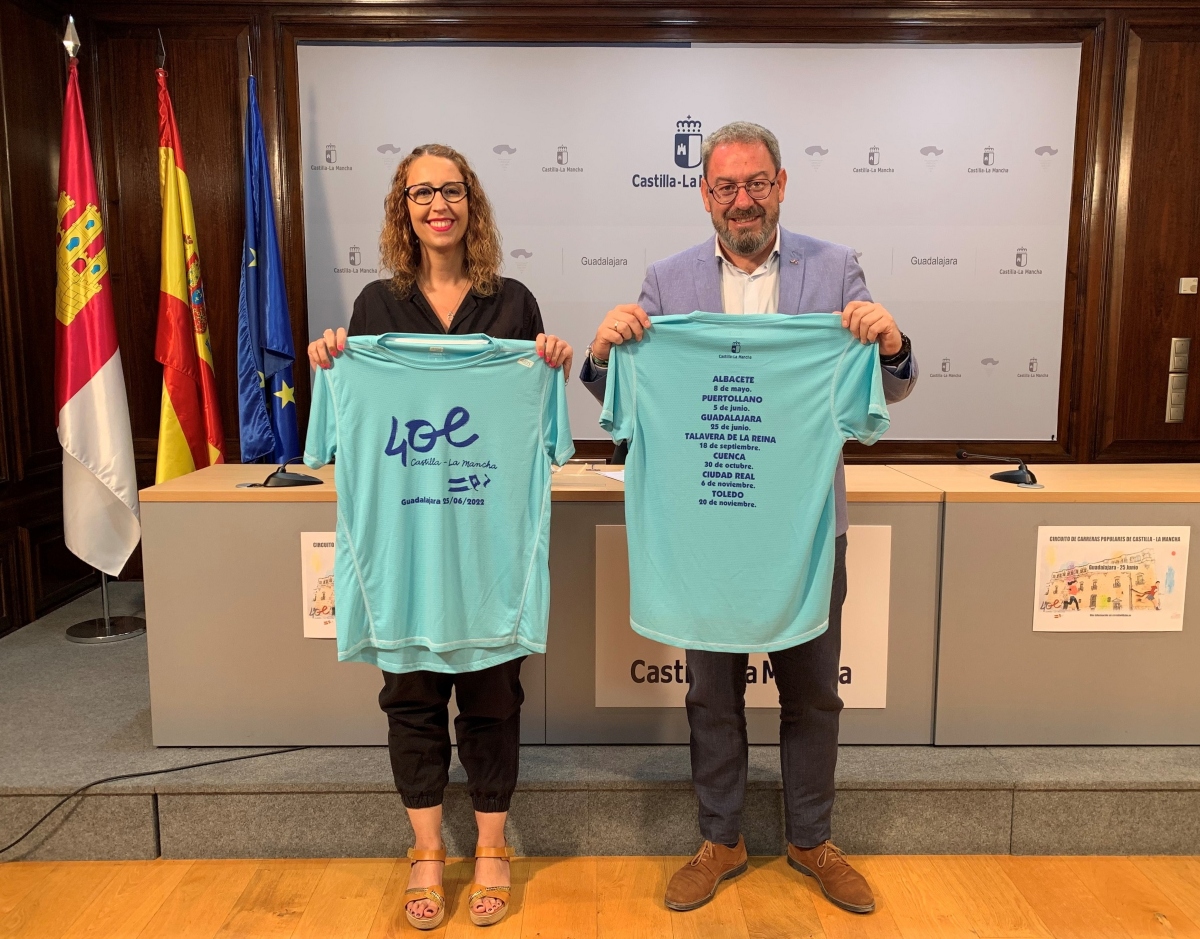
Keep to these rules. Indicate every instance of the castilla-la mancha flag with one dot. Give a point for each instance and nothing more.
(189, 429)
(100, 500)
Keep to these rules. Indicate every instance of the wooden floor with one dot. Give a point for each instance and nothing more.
(564, 898)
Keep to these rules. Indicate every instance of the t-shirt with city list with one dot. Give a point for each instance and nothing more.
(734, 427)
(443, 449)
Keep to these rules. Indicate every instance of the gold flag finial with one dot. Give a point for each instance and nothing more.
(71, 38)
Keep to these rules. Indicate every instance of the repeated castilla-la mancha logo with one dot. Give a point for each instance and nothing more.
(688, 155)
(1021, 264)
(688, 143)
(987, 163)
(875, 162)
(355, 258)
(330, 162)
(562, 162)
(946, 370)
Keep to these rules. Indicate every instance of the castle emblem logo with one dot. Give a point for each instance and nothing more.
(82, 260)
(330, 153)
(688, 141)
(1022, 257)
(989, 156)
(355, 256)
(561, 157)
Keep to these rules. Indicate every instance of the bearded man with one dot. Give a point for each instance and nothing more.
(753, 265)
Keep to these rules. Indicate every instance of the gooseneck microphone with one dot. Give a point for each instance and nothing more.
(1020, 476)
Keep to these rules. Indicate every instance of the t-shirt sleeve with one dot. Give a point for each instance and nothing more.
(556, 421)
(321, 443)
(617, 415)
(859, 409)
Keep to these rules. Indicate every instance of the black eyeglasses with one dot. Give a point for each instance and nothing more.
(422, 193)
(756, 189)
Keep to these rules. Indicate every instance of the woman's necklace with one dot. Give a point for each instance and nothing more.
(446, 318)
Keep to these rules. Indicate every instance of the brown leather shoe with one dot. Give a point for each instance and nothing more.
(842, 885)
(696, 882)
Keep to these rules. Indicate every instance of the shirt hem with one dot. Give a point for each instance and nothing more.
(786, 643)
(499, 659)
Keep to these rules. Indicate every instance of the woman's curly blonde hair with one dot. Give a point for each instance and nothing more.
(399, 249)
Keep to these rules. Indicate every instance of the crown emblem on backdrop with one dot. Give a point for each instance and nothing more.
(688, 126)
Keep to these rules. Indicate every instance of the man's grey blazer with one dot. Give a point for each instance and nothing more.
(814, 277)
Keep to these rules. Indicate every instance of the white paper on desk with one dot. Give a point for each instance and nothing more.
(316, 579)
(618, 475)
(1110, 578)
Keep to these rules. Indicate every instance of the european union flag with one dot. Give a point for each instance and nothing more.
(266, 398)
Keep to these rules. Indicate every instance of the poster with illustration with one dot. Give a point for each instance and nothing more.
(316, 579)
(1110, 578)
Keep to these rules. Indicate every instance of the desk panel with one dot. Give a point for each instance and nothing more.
(999, 682)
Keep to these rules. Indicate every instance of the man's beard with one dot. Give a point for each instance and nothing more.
(746, 242)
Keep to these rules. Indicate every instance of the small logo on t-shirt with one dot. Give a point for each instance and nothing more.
(528, 363)
(736, 347)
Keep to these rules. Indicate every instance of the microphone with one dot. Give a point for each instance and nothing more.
(1021, 476)
(283, 478)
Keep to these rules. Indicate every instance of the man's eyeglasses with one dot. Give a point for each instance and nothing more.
(423, 194)
(756, 189)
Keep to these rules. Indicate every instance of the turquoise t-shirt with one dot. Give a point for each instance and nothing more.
(734, 425)
(443, 449)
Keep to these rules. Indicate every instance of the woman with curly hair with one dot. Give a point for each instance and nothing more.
(440, 242)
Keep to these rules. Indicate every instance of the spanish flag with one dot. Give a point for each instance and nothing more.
(100, 501)
(189, 428)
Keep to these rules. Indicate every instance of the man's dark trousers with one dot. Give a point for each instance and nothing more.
(807, 678)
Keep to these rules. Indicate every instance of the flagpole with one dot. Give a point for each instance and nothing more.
(107, 628)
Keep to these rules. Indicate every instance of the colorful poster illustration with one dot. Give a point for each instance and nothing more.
(316, 578)
(1110, 578)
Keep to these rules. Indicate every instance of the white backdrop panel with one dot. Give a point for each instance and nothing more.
(947, 167)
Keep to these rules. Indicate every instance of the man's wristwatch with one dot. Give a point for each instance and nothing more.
(601, 363)
(894, 359)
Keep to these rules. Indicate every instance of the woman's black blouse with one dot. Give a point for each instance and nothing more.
(510, 313)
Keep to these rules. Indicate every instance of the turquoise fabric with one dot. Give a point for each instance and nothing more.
(735, 424)
(443, 449)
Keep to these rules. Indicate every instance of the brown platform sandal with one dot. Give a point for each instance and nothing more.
(433, 894)
(476, 891)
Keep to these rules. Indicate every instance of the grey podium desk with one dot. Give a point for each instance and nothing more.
(229, 665)
(878, 495)
(999, 682)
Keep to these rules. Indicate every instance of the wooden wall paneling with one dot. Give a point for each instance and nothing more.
(1086, 245)
(1156, 241)
(1104, 119)
(55, 574)
(206, 72)
(33, 96)
(12, 609)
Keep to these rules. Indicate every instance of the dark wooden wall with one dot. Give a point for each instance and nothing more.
(1135, 223)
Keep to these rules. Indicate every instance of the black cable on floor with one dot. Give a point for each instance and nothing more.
(151, 772)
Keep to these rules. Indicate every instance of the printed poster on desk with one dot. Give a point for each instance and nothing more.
(316, 579)
(1101, 578)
